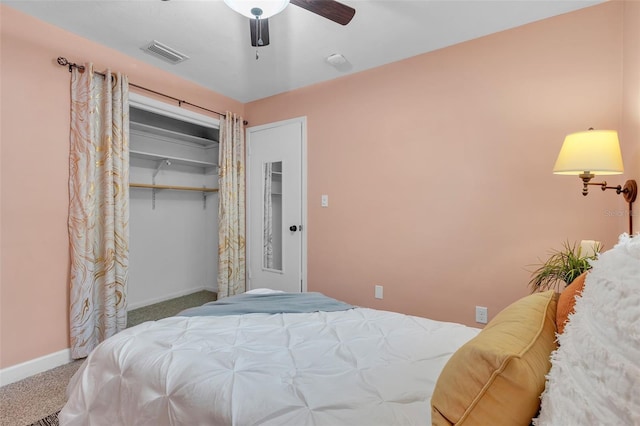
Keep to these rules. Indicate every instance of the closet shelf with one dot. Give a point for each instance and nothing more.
(172, 135)
(177, 160)
(173, 187)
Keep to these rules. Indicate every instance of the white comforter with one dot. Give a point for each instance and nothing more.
(354, 367)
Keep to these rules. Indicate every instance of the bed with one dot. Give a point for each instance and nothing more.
(353, 366)
(329, 363)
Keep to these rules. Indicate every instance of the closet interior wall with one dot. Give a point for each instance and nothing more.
(173, 233)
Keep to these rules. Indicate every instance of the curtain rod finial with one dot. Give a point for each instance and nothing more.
(64, 62)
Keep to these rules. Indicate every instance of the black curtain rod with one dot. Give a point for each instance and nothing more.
(64, 62)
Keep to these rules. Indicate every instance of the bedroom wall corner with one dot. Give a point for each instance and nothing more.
(34, 174)
(630, 134)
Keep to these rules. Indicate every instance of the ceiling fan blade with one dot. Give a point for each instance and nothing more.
(259, 32)
(330, 9)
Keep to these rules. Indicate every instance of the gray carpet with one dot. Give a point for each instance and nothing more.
(168, 308)
(37, 399)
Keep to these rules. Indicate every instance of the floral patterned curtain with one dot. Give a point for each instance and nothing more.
(231, 213)
(98, 207)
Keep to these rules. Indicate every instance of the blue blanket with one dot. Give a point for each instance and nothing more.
(273, 303)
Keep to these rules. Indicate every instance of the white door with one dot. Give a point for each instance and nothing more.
(276, 206)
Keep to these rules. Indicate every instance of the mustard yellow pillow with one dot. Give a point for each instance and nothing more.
(497, 377)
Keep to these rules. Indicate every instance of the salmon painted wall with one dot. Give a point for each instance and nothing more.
(438, 167)
(630, 135)
(35, 151)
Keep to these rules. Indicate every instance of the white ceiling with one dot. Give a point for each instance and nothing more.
(221, 57)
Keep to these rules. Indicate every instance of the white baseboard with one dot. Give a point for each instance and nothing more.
(38, 365)
(142, 304)
(47, 362)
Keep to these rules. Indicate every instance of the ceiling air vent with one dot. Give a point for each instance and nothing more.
(164, 52)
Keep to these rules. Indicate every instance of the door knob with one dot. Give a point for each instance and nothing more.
(293, 228)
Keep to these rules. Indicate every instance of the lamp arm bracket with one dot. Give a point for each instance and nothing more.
(604, 186)
(629, 191)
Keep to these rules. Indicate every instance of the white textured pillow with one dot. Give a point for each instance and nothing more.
(595, 373)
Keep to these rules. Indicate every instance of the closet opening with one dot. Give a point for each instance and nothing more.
(173, 202)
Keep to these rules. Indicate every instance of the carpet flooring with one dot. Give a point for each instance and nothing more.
(37, 399)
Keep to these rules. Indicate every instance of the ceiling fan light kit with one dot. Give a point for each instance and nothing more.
(257, 8)
(258, 11)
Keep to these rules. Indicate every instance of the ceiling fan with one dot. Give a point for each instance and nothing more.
(258, 11)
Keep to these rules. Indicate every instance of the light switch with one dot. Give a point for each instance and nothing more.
(324, 202)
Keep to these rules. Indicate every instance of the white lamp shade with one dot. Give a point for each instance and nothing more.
(593, 151)
(268, 7)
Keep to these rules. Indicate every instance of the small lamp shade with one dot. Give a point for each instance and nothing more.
(593, 151)
(267, 7)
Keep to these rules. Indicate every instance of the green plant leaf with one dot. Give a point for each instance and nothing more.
(561, 268)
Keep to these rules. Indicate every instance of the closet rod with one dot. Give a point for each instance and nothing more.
(64, 62)
(177, 188)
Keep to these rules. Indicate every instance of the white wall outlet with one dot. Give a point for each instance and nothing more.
(324, 201)
(378, 292)
(482, 314)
